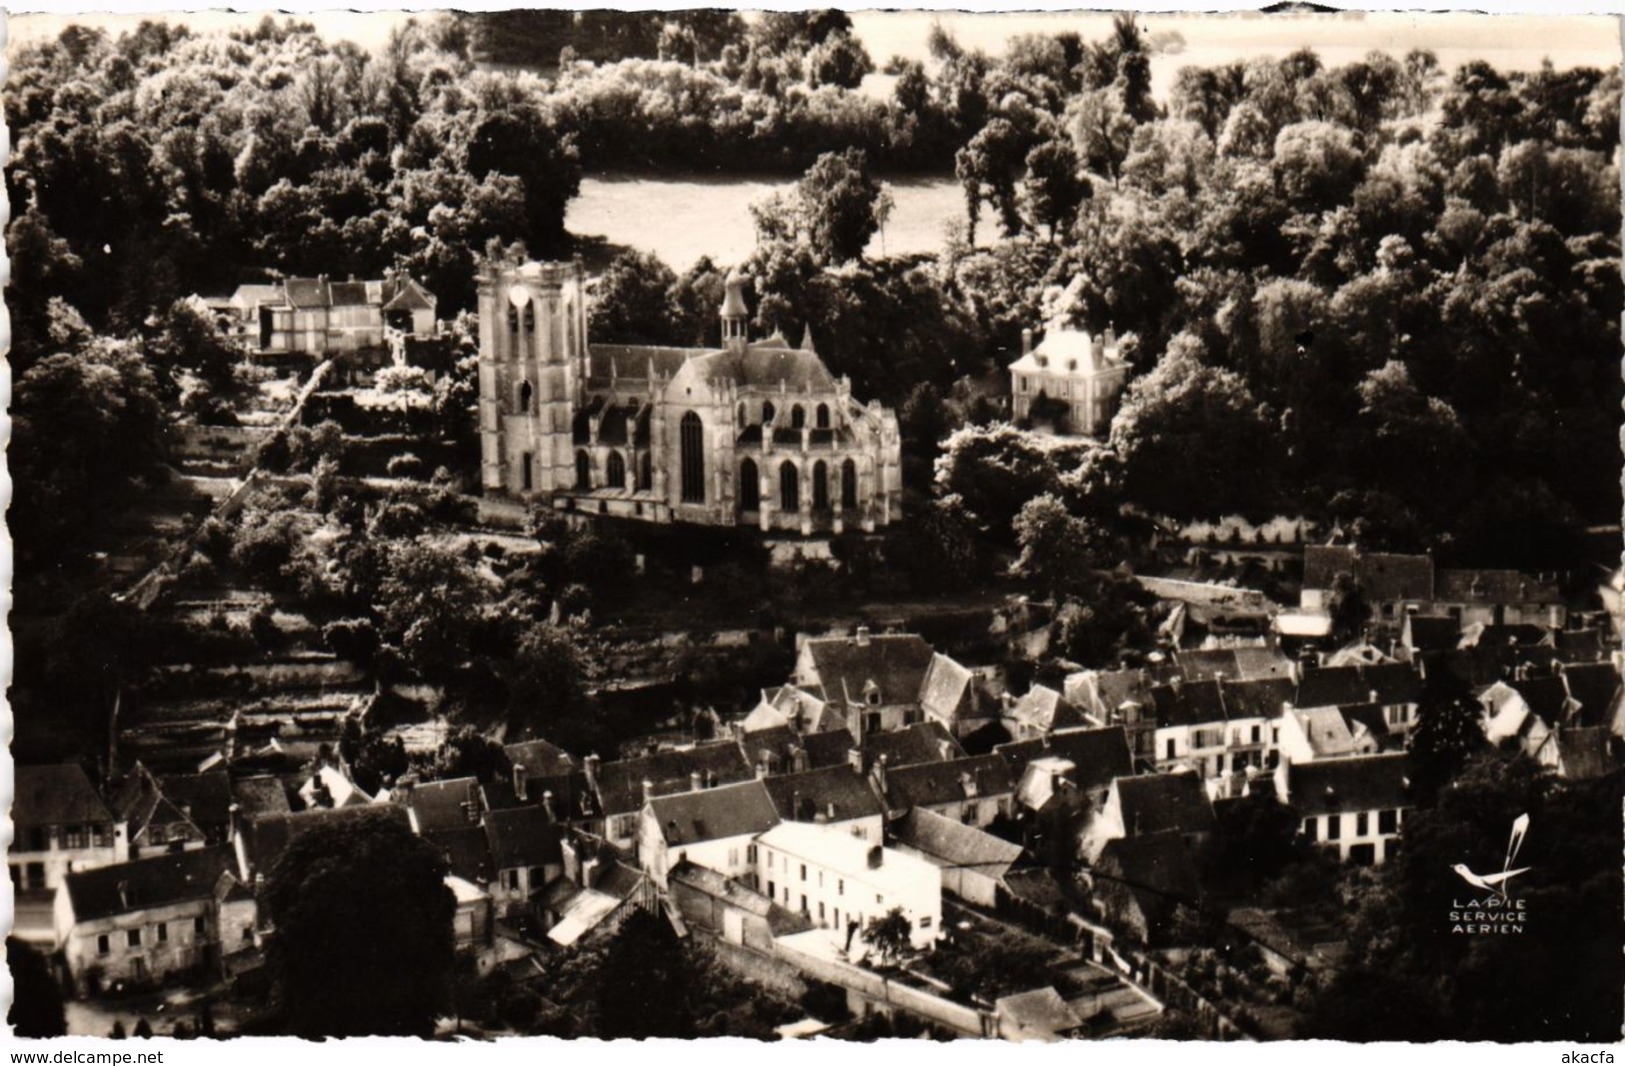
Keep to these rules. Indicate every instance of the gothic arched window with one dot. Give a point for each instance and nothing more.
(789, 487)
(583, 471)
(767, 412)
(849, 485)
(525, 394)
(750, 486)
(646, 475)
(615, 472)
(822, 417)
(798, 417)
(820, 486)
(691, 435)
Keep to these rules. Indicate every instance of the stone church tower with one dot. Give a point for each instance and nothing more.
(533, 364)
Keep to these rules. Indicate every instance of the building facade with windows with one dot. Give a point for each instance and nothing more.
(61, 825)
(755, 433)
(1071, 383)
(842, 883)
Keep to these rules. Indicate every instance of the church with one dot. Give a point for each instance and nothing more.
(755, 433)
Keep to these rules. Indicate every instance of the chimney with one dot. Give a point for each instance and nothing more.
(967, 782)
(1374, 695)
(798, 758)
(854, 759)
(547, 805)
(877, 855)
(863, 636)
(831, 811)
(124, 894)
(520, 780)
(590, 767)
(696, 781)
(1026, 341)
(234, 814)
(648, 790)
(880, 774)
(796, 810)
(471, 811)
(589, 871)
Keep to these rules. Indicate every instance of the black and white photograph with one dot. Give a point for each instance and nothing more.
(815, 525)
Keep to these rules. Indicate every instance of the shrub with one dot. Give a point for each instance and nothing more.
(825, 1001)
(405, 465)
(355, 639)
(263, 628)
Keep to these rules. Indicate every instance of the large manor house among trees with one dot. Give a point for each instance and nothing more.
(755, 433)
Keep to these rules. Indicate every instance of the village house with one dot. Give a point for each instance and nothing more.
(711, 827)
(593, 903)
(842, 797)
(973, 863)
(842, 883)
(791, 707)
(204, 799)
(781, 750)
(1041, 711)
(728, 909)
(1354, 805)
(1122, 698)
(142, 923)
(1395, 687)
(152, 822)
(60, 824)
(1391, 585)
(433, 806)
(320, 317)
(975, 790)
(871, 681)
(1147, 804)
(911, 745)
(525, 857)
(624, 786)
(755, 433)
(1323, 733)
(1499, 597)
(1071, 383)
(1140, 882)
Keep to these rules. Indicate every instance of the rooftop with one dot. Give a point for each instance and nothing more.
(162, 880)
(56, 794)
(935, 783)
(895, 663)
(842, 853)
(1340, 786)
(837, 793)
(1155, 803)
(953, 843)
(1098, 755)
(744, 809)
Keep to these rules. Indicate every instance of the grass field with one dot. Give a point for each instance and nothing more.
(682, 218)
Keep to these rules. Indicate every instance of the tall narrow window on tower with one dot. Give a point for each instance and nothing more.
(693, 458)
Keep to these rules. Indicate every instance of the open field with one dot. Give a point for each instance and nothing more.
(681, 218)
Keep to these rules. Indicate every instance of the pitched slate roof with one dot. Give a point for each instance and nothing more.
(448, 804)
(921, 742)
(780, 920)
(895, 662)
(162, 880)
(620, 783)
(952, 843)
(1208, 664)
(776, 747)
(1583, 753)
(307, 292)
(1154, 803)
(56, 794)
(1039, 1012)
(1546, 697)
(1257, 699)
(1188, 703)
(467, 851)
(1341, 786)
(539, 758)
(1383, 577)
(633, 360)
(766, 365)
(141, 802)
(933, 783)
(948, 690)
(258, 796)
(1261, 664)
(265, 838)
(838, 793)
(1579, 645)
(744, 809)
(1393, 682)
(1494, 586)
(205, 798)
(1156, 869)
(1333, 686)
(407, 295)
(1098, 755)
(1046, 710)
(521, 836)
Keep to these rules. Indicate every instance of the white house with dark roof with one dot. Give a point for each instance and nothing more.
(60, 823)
(1352, 805)
(318, 316)
(140, 923)
(842, 883)
(1323, 733)
(1071, 382)
(711, 827)
(871, 680)
(973, 791)
(843, 796)
(625, 785)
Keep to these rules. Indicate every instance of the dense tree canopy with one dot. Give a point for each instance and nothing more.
(363, 921)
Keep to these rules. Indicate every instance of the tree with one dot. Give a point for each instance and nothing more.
(1055, 188)
(546, 690)
(646, 982)
(890, 935)
(364, 943)
(842, 205)
(838, 60)
(1058, 551)
(1346, 604)
(633, 303)
(36, 1002)
(431, 602)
